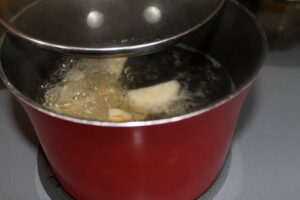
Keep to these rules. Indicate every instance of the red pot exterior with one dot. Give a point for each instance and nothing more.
(171, 161)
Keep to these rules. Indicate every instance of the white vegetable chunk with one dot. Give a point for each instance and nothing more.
(111, 66)
(154, 99)
(114, 66)
(74, 75)
(118, 115)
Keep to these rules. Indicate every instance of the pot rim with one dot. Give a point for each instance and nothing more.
(203, 110)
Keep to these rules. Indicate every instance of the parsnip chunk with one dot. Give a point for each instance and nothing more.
(114, 66)
(118, 115)
(74, 75)
(154, 99)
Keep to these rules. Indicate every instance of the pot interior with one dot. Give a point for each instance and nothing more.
(237, 42)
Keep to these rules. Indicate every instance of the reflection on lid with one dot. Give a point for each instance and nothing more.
(152, 14)
(95, 19)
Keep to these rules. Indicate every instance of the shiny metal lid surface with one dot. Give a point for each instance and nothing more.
(105, 27)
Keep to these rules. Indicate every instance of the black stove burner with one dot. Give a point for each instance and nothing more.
(56, 192)
(49, 182)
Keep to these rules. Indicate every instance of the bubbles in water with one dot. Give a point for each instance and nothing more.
(89, 88)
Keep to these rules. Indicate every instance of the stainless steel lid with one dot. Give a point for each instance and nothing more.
(105, 27)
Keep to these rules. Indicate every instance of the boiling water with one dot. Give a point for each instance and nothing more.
(88, 88)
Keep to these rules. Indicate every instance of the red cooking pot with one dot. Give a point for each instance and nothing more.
(170, 159)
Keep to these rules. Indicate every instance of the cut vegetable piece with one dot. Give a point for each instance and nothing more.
(74, 75)
(113, 66)
(118, 115)
(154, 99)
